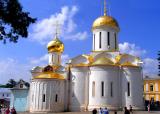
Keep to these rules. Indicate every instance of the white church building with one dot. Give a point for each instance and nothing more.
(105, 77)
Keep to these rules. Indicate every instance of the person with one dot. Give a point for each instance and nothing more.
(100, 110)
(94, 111)
(13, 111)
(130, 109)
(105, 111)
(126, 111)
(148, 107)
(7, 111)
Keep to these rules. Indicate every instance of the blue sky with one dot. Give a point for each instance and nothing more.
(139, 35)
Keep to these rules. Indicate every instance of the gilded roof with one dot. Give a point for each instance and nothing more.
(55, 46)
(49, 75)
(105, 21)
(119, 60)
(103, 60)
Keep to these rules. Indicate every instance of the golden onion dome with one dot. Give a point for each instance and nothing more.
(105, 21)
(55, 46)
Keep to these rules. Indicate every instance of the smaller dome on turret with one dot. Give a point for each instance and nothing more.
(55, 46)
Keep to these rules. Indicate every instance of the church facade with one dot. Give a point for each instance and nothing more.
(103, 78)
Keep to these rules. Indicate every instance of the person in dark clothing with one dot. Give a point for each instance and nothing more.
(94, 111)
(130, 109)
(126, 111)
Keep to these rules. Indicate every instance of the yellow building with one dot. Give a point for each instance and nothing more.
(152, 89)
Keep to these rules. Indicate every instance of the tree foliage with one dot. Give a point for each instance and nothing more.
(12, 83)
(14, 22)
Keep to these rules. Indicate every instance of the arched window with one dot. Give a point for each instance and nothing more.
(128, 87)
(100, 39)
(151, 87)
(102, 87)
(56, 98)
(43, 98)
(21, 85)
(93, 89)
(111, 89)
(115, 35)
(108, 38)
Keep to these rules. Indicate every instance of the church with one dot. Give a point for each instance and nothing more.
(105, 77)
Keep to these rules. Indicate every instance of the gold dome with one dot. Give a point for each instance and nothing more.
(105, 21)
(55, 46)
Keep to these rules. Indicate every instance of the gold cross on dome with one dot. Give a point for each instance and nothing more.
(57, 28)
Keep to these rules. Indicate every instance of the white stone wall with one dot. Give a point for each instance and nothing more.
(49, 87)
(134, 77)
(106, 74)
(79, 89)
(104, 39)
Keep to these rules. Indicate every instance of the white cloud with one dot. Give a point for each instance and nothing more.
(131, 49)
(150, 67)
(65, 59)
(39, 61)
(44, 30)
(11, 68)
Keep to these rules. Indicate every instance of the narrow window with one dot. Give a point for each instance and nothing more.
(58, 58)
(93, 89)
(56, 98)
(115, 40)
(94, 42)
(102, 86)
(100, 40)
(111, 89)
(108, 38)
(128, 87)
(44, 98)
(151, 87)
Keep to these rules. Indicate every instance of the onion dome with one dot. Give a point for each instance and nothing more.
(55, 46)
(105, 21)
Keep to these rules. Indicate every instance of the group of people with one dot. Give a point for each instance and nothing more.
(105, 111)
(8, 111)
(101, 111)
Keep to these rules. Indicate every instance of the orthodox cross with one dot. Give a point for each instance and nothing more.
(57, 28)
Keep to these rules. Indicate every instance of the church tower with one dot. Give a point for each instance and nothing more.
(55, 50)
(105, 33)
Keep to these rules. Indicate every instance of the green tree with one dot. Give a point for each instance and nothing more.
(11, 83)
(14, 22)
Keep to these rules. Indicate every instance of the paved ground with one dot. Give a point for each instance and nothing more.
(120, 112)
